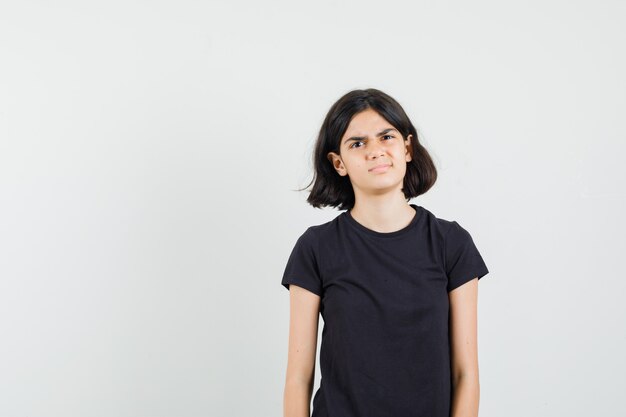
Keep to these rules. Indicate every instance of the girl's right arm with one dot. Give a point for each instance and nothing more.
(303, 323)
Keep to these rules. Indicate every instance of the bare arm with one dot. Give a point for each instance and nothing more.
(464, 350)
(303, 323)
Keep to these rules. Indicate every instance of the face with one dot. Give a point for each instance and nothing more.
(372, 153)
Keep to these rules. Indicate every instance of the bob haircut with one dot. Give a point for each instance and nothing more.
(330, 188)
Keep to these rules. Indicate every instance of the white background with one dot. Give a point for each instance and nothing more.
(148, 153)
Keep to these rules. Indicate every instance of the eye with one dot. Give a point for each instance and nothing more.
(388, 136)
(355, 142)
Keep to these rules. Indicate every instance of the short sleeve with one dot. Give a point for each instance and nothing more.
(302, 266)
(463, 261)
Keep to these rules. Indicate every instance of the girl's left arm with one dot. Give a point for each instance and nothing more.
(464, 350)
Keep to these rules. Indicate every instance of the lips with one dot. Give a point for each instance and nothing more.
(381, 167)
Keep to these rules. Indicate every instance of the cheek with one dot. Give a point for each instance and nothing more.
(400, 163)
(354, 165)
(399, 154)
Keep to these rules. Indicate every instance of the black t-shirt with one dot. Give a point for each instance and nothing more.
(384, 301)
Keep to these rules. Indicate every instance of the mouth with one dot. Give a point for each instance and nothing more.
(380, 168)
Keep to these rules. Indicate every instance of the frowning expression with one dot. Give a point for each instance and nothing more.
(372, 153)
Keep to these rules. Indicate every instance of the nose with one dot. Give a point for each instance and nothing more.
(376, 151)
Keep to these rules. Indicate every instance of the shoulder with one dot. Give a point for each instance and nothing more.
(447, 230)
(440, 225)
(321, 231)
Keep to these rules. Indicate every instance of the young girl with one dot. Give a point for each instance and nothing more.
(395, 285)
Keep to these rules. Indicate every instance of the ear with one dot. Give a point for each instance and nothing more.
(409, 148)
(337, 163)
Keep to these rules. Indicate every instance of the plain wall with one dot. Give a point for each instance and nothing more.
(148, 153)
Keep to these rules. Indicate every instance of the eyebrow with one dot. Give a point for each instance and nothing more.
(382, 132)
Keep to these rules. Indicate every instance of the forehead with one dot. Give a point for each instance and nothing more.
(366, 122)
